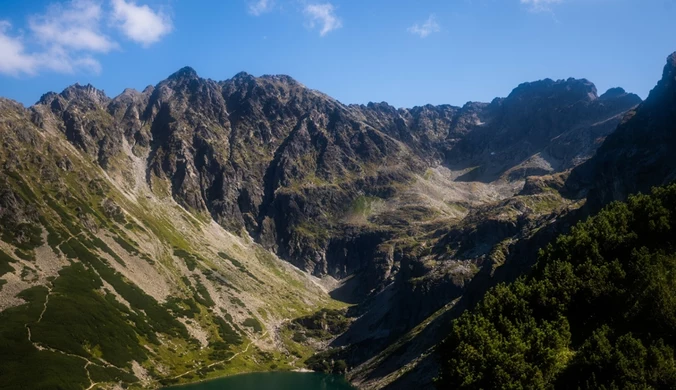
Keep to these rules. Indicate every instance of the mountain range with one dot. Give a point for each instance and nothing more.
(202, 228)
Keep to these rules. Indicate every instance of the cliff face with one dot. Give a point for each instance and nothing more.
(542, 127)
(639, 154)
(398, 210)
(284, 163)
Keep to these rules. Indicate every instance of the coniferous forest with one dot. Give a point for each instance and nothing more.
(598, 311)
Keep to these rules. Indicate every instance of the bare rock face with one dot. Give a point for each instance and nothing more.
(639, 154)
(80, 113)
(540, 128)
(284, 163)
(128, 111)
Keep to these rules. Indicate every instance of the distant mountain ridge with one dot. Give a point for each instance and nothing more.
(228, 147)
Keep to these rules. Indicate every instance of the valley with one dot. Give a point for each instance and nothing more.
(200, 228)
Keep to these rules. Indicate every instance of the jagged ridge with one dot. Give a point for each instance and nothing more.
(344, 191)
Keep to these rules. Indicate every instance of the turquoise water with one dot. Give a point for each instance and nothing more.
(273, 381)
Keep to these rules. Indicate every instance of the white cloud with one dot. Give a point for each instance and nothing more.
(68, 35)
(428, 27)
(323, 15)
(540, 5)
(13, 58)
(59, 60)
(259, 7)
(74, 26)
(140, 23)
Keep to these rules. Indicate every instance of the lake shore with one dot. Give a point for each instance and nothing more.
(273, 380)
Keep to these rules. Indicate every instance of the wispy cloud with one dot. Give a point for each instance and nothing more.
(540, 5)
(324, 16)
(63, 40)
(60, 60)
(16, 60)
(140, 23)
(428, 27)
(259, 7)
(74, 26)
(13, 57)
(69, 36)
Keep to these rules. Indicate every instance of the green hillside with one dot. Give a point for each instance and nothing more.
(598, 312)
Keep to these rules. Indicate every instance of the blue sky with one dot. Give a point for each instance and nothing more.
(407, 53)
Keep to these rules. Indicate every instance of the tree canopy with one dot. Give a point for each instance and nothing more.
(597, 312)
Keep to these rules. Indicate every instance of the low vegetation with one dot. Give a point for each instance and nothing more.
(24, 366)
(324, 324)
(254, 324)
(190, 259)
(327, 361)
(5, 263)
(598, 311)
(95, 326)
(304, 333)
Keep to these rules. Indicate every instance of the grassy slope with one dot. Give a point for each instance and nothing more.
(110, 303)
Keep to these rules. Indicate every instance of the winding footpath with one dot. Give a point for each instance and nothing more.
(41, 347)
(245, 350)
(44, 309)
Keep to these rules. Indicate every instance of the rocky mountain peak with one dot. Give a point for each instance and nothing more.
(570, 89)
(130, 91)
(241, 78)
(383, 107)
(184, 87)
(639, 154)
(671, 61)
(184, 73)
(280, 78)
(613, 93)
(75, 97)
(665, 91)
(85, 92)
(129, 102)
(47, 98)
(242, 75)
(9, 104)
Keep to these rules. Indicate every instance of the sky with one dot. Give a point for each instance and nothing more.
(404, 52)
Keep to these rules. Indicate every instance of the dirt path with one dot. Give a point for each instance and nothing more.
(89, 376)
(41, 347)
(44, 306)
(223, 361)
(42, 313)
